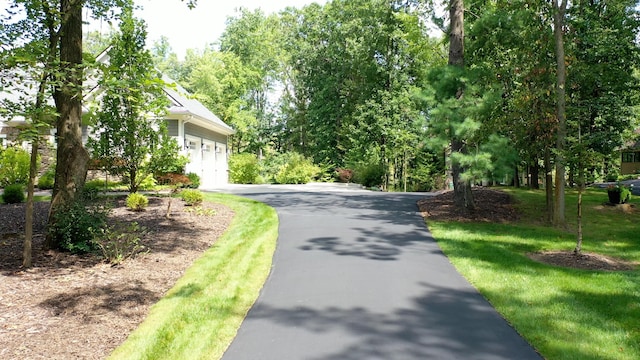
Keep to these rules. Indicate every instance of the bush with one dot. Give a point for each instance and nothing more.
(194, 179)
(191, 197)
(137, 202)
(14, 166)
(244, 169)
(369, 175)
(149, 183)
(177, 180)
(46, 180)
(297, 170)
(13, 194)
(76, 226)
(344, 175)
(120, 243)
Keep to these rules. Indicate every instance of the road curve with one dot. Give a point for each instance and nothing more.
(357, 275)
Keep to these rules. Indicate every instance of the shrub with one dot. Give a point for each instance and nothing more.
(13, 194)
(137, 202)
(194, 179)
(297, 170)
(344, 175)
(191, 197)
(121, 242)
(177, 180)
(369, 175)
(46, 180)
(244, 169)
(14, 166)
(76, 226)
(148, 183)
(95, 185)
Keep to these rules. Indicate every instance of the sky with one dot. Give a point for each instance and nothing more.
(188, 29)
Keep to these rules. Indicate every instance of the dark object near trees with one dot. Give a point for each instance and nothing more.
(618, 194)
(13, 194)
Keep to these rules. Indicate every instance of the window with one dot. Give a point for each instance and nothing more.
(630, 157)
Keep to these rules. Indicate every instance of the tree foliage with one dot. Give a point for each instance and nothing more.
(129, 122)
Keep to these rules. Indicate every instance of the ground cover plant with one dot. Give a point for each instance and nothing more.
(565, 313)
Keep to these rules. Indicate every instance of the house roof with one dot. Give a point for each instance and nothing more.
(182, 103)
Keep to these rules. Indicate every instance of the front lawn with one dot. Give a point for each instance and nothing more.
(564, 313)
(199, 317)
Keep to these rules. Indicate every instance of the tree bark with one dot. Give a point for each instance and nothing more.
(463, 198)
(548, 184)
(72, 158)
(28, 226)
(534, 182)
(558, 23)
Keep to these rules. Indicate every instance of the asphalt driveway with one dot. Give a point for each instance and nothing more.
(357, 275)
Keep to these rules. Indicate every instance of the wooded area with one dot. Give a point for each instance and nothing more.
(361, 85)
(538, 87)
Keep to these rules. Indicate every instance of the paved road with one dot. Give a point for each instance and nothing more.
(356, 275)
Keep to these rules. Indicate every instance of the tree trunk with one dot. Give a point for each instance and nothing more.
(72, 158)
(558, 23)
(548, 184)
(516, 177)
(534, 175)
(581, 182)
(463, 198)
(28, 226)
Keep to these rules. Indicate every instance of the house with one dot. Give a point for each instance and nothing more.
(630, 159)
(202, 136)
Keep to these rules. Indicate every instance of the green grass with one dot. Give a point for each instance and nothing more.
(563, 313)
(199, 317)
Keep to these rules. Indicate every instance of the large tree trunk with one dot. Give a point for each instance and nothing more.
(462, 195)
(558, 22)
(72, 158)
(534, 182)
(28, 227)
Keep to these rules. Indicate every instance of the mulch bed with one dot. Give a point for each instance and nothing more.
(80, 307)
(498, 207)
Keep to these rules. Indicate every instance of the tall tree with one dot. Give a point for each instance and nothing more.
(59, 23)
(463, 196)
(559, 11)
(129, 121)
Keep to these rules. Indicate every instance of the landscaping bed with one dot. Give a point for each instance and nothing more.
(81, 307)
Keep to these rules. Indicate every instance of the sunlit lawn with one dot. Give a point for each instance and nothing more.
(199, 317)
(563, 313)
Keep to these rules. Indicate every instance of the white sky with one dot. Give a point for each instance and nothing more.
(188, 29)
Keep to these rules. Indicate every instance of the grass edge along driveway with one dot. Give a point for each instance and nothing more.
(200, 315)
(563, 313)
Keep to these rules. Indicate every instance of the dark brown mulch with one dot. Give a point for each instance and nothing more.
(498, 206)
(584, 261)
(491, 206)
(80, 307)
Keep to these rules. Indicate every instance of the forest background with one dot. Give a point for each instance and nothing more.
(361, 85)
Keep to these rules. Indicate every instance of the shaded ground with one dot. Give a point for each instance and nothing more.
(79, 307)
(497, 206)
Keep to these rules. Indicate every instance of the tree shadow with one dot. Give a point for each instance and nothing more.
(120, 299)
(441, 323)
